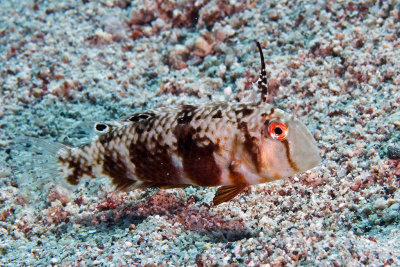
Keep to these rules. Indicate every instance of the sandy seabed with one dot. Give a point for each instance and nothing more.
(333, 64)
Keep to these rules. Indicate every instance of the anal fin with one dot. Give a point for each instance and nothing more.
(124, 185)
(227, 192)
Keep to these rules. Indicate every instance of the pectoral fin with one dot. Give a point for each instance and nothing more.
(227, 192)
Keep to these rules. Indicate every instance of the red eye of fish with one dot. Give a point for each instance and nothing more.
(278, 130)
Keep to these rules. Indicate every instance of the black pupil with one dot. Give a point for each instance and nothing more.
(101, 127)
(278, 131)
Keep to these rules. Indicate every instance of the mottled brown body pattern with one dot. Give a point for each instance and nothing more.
(174, 147)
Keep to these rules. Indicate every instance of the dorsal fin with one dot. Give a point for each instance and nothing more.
(262, 80)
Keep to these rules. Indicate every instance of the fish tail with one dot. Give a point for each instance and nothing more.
(45, 161)
(71, 164)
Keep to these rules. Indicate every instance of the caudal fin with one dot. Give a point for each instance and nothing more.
(39, 157)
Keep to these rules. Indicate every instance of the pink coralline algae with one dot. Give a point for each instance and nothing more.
(168, 14)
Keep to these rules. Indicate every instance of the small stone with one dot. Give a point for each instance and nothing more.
(393, 152)
(203, 46)
(380, 204)
(273, 15)
(114, 26)
(390, 216)
(222, 69)
(159, 24)
(395, 118)
(221, 33)
(228, 90)
(54, 260)
(199, 244)
(107, 37)
(395, 207)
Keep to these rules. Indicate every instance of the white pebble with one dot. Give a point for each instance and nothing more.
(380, 204)
(222, 69)
(228, 90)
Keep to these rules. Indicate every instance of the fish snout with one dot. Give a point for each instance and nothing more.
(303, 147)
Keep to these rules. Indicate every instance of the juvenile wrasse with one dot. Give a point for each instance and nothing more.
(232, 145)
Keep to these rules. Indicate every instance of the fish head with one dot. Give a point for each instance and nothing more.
(285, 147)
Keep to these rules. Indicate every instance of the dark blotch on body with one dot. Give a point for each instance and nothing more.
(198, 160)
(245, 111)
(217, 115)
(116, 169)
(236, 177)
(149, 124)
(78, 168)
(76, 174)
(186, 114)
(153, 166)
(140, 128)
(107, 136)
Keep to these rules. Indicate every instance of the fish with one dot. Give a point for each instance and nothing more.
(230, 145)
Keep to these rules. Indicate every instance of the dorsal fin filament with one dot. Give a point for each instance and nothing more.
(262, 80)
